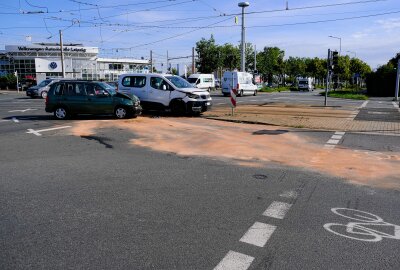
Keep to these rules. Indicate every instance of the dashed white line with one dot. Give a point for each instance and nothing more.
(290, 194)
(235, 261)
(337, 137)
(340, 133)
(364, 104)
(37, 132)
(23, 110)
(6, 120)
(277, 210)
(332, 141)
(258, 234)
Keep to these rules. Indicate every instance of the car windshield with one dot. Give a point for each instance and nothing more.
(108, 87)
(44, 83)
(179, 82)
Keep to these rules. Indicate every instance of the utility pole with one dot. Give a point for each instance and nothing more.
(243, 5)
(396, 97)
(255, 57)
(328, 67)
(62, 55)
(167, 63)
(151, 61)
(193, 61)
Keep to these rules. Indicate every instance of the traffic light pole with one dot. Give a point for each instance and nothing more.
(328, 66)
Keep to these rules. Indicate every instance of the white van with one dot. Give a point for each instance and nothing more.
(306, 84)
(242, 81)
(202, 81)
(165, 92)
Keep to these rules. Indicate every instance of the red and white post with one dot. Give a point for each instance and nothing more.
(233, 96)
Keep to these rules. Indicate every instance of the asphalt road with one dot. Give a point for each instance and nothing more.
(98, 202)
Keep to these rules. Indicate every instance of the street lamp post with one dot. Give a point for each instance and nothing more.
(243, 5)
(340, 43)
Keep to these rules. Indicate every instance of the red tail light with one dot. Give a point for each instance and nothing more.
(47, 99)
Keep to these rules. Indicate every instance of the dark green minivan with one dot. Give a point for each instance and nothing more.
(68, 98)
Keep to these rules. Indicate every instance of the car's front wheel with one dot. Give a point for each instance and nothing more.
(61, 113)
(120, 113)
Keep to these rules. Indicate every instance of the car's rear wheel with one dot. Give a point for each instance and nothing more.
(43, 94)
(255, 93)
(120, 113)
(61, 113)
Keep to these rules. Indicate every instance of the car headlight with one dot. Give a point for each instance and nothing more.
(194, 96)
(136, 103)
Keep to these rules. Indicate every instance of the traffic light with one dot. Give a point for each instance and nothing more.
(335, 59)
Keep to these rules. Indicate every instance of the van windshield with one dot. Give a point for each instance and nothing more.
(44, 83)
(192, 80)
(179, 82)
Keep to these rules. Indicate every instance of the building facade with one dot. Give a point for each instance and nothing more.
(43, 60)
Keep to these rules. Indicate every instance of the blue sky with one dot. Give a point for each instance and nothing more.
(369, 29)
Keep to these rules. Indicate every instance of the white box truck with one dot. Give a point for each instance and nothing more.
(202, 81)
(306, 84)
(242, 81)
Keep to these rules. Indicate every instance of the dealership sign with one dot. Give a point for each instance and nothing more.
(50, 49)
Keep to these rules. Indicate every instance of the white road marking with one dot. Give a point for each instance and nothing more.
(258, 234)
(23, 110)
(277, 210)
(235, 261)
(329, 146)
(339, 133)
(337, 137)
(220, 103)
(15, 120)
(395, 104)
(331, 141)
(364, 104)
(37, 132)
(6, 120)
(291, 194)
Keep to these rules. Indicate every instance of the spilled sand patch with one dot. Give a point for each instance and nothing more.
(253, 145)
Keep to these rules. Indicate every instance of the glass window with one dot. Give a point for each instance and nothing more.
(158, 83)
(58, 87)
(179, 82)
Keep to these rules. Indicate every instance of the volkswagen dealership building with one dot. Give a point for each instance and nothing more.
(42, 60)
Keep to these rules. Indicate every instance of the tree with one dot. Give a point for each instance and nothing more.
(249, 53)
(295, 67)
(229, 56)
(208, 55)
(270, 62)
(174, 71)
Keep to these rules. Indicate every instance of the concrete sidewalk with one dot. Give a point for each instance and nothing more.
(304, 116)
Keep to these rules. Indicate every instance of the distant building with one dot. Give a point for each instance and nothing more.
(41, 60)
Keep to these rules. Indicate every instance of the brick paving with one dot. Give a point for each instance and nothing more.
(304, 116)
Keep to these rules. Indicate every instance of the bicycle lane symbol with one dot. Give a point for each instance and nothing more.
(367, 228)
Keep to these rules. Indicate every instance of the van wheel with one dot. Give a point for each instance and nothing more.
(209, 89)
(240, 93)
(178, 107)
(61, 113)
(255, 93)
(44, 94)
(120, 112)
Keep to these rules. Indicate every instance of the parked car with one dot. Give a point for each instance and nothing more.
(41, 89)
(24, 84)
(165, 92)
(67, 98)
